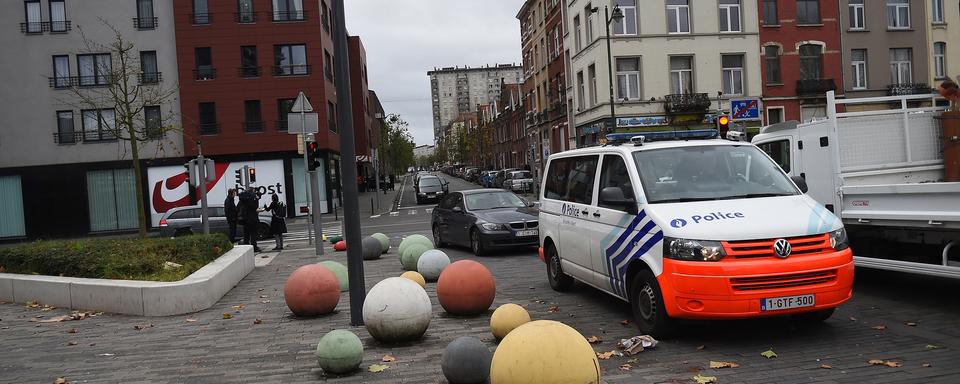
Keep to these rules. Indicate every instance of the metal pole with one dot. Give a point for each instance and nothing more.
(316, 212)
(351, 209)
(306, 166)
(376, 179)
(202, 180)
(613, 114)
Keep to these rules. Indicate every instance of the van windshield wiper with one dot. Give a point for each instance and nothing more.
(753, 195)
(682, 200)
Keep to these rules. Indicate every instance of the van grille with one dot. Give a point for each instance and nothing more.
(804, 245)
(783, 281)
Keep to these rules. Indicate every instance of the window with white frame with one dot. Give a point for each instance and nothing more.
(937, 8)
(858, 67)
(588, 10)
(857, 15)
(774, 115)
(898, 14)
(901, 65)
(939, 60)
(578, 44)
(592, 77)
(732, 74)
(627, 26)
(678, 16)
(681, 74)
(729, 15)
(581, 91)
(556, 41)
(628, 78)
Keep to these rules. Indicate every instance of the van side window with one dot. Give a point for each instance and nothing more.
(779, 151)
(614, 174)
(556, 186)
(583, 169)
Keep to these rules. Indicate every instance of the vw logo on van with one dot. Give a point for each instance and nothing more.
(782, 248)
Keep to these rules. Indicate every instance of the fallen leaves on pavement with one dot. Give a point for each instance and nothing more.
(60, 380)
(911, 324)
(607, 355)
(723, 364)
(925, 365)
(388, 359)
(625, 323)
(637, 344)
(553, 309)
(701, 379)
(879, 327)
(257, 321)
(826, 366)
(593, 340)
(377, 368)
(931, 346)
(238, 307)
(140, 327)
(227, 315)
(626, 367)
(191, 320)
(71, 343)
(853, 318)
(72, 330)
(770, 354)
(889, 363)
(71, 317)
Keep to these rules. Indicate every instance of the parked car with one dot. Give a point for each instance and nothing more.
(519, 181)
(430, 188)
(182, 221)
(501, 175)
(471, 174)
(485, 219)
(486, 180)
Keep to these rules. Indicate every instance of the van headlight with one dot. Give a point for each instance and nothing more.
(838, 240)
(692, 250)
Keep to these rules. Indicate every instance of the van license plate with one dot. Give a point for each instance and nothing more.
(788, 302)
(529, 232)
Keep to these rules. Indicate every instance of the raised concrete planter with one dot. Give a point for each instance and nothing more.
(198, 291)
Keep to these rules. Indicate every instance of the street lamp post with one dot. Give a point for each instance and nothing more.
(609, 18)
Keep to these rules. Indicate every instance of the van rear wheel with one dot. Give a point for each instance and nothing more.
(646, 302)
(559, 281)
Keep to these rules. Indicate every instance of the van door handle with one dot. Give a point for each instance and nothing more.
(596, 214)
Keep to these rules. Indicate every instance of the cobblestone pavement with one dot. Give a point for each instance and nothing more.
(920, 317)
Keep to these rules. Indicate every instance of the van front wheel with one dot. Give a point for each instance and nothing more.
(646, 301)
(559, 281)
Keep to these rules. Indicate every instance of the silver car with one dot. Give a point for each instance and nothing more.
(518, 181)
(183, 221)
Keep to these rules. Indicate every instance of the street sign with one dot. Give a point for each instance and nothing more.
(300, 144)
(744, 109)
(295, 122)
(302, 104)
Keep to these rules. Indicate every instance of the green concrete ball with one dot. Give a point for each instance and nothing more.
(414, 239)
(339, 351)
(340, 271)
(384, 241)
(411, 255)
(335, 239)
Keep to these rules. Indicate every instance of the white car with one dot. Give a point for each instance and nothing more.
(518, 181)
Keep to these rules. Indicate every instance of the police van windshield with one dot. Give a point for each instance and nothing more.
(709, 172)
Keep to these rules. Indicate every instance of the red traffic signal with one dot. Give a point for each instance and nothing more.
(313, 155)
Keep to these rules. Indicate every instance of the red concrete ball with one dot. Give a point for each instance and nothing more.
(312, 290)
(466, 287)
(340, 246)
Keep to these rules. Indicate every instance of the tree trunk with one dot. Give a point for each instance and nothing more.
(138, 177)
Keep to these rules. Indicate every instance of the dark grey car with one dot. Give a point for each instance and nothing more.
(485, 219)
(430, 188)
(182, 221)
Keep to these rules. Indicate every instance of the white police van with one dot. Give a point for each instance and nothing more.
(683, 225)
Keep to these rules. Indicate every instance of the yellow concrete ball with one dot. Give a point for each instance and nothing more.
(544, 351)
(506, 318)
(416, 277)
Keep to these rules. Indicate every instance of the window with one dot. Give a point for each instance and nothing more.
(204, 62)
(290, 60)
(628, 78)
(771, 58)
(248, 61)
(627, 26)
(145, 18)
(578, 44)
(681, 74)
(11, 207)
(288, 10)
(112, 199)
(857, 15)
(94, 69)
(253, 121)
(770, 16)
(327, 65)
(939, 60)
(99, 124)
(729, 15)
(588, 10)
(245, 12)
(208, 118)
(201, 12)
(581, 91)
(858, 64)
(324, 16)
(571, 179)
(152, 123)
(774, 115)
(808, 11)
(811, 62)
(732, 74)
(592, 78)
(65, 132)
(148, 68)
(332, 117)
(556, 41)
(614, 173)
(61, 71)
(32, 16)
(898, 14)
(779, 151)
(678, 16)
(901, 67)
(58, 16)
(283, 108)
(937, 8)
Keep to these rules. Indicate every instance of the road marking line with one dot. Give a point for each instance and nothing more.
(429, 210)
(374, 216)
(394, 213)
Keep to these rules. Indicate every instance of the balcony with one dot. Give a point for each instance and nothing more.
(903, 89)
(98, 136)
(253, 126)
(66, 138)
(291, 70)
(209, 128)
(205, 73)
(65, 82)
(815, 87)
(683, 103)
(248, 72)
(145, 23)
(201, 18)
(39, 27)
(150, 77)
(245, 17)
(284, 16)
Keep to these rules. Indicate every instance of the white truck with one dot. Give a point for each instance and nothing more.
(881, 172)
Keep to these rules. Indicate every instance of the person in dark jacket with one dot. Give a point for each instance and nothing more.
(248, 217)
(230, 208)
(278, 226)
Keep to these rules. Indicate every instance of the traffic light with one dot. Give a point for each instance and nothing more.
(313, 155)
(253, 175)
(723, 123)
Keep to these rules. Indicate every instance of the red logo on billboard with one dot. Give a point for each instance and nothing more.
(161, 205)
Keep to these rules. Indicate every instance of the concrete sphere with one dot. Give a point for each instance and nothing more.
(384, 241)
(371, 248)
(335, 239)
(466, 360)
(312, 290)
(340, 271)
(431, 263)
(413, 239)
(466, 288)
(507, 318)
(416, 277)
(411, 256)
(339, 351)
(397, 309)
(340, 246)
(544, 351)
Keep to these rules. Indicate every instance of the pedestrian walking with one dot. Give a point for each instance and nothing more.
(278, 224)
(248, 216)
(230, 208)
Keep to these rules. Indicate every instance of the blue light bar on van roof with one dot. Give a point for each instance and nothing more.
(662, 135)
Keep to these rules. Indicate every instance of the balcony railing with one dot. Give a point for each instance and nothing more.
(249, 71)
(209, 128)
(67, 137)
(686, 103)
(150, 77)
(79, 81)
(291, 70)
(289, 15)
(99, 135)
(245, 17)
(145, 23)
(201, 18)
(253, 126)
(39, 27)
(60, 26)
(815, 87)
(908, 89)
(205, 73)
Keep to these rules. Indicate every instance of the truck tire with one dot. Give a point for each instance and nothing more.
(559, 281)
(646, 302)
(815, 316)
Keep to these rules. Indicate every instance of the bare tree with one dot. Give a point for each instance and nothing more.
(126, 98)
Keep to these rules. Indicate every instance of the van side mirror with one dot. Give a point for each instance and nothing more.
(613, 196)
(800, 182)
(457, 209)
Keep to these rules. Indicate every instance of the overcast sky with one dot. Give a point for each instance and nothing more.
(406, 38)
